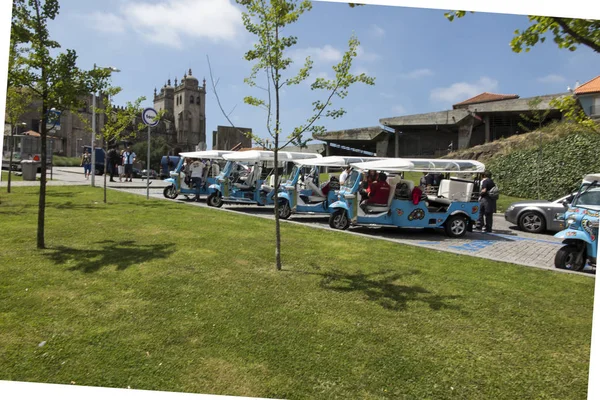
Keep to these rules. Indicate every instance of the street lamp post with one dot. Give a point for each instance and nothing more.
(112, 69)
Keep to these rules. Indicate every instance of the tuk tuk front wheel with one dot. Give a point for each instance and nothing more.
(456, 226)
(214, 200)
(284, 209)
(566, 258)
(170, 192)
(339, 220)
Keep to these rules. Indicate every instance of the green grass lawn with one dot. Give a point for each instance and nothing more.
(12, 178)
(164, 296)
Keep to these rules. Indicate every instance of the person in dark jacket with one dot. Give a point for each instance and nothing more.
(487, 205)
(113, 162)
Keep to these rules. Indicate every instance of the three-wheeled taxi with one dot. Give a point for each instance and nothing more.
(255, 188)
(304, 193)
(455, 207)
(581, 233)
(212, 168)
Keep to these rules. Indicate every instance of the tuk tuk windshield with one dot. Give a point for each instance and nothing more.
(349, 183)
(589, 196)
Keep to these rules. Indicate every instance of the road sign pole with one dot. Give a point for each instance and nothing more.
(149, 118)
(148, 167)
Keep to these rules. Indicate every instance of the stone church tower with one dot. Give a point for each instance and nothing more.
(186, 109)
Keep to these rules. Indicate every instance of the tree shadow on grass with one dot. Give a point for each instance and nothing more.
(121, 254)
(382, 288)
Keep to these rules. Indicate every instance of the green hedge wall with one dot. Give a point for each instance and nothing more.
(565, 161)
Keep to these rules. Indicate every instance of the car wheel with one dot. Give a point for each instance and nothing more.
(214, 200)
(339, 220)
(170, 192)
(532, 222)
(284, 209)
(566, 258)
(456, 226)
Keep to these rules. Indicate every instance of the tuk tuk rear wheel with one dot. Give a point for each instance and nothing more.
(284, 209)
(339, 220)
(170, 192)
(566, 258)
(456, 226)
(214, 200)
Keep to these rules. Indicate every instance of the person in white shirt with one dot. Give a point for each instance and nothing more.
(128, 160)
(344, 174)
(196, 170)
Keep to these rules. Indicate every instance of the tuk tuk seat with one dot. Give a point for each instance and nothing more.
(250, 179)
(317, 192)
(455, 190)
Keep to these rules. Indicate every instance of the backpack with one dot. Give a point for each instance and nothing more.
(494, 193)
(402, 191)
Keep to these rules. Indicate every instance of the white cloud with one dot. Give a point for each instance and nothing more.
(387, 95)
(463, 90)
(552, 78)
(377, 31)
(398, 110)
(172, 22)
(107, 22)
(417, 73)
(362, 55)
(326, 53)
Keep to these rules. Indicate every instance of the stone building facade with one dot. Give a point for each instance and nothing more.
(228, 137)
(185, 118)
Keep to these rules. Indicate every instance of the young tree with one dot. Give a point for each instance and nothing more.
(567, 33)
(53, 79)
(117, 121)
(267, 19)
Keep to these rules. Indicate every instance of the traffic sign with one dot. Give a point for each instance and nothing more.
(149, 116)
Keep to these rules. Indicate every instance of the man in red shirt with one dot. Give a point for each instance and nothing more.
(380, 190)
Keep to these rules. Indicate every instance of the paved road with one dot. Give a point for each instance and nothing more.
(505, 244)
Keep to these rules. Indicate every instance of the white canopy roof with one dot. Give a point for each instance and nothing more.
(334, 161)
(263, 155)
(212, 154)
(591, 178)
(422, 165)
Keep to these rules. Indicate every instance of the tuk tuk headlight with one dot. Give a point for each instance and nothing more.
(570, 221)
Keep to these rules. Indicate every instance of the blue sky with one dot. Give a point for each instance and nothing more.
(421, 61)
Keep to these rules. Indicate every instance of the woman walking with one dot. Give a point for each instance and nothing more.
(86, 163)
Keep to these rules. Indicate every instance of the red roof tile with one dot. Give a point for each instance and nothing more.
(591, 86)
(486, 97)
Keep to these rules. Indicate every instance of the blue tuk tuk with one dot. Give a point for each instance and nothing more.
(303, 193)
(255, 188)
(178, 182)
(454, 207)
(581, 233)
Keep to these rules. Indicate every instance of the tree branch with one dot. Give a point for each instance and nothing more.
(563, 23)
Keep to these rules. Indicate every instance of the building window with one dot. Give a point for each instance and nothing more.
(198, 100)
(192, 99)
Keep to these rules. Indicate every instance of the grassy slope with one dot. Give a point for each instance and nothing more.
(163, 296)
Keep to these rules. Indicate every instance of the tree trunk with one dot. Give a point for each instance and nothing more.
(276, 160)
(105, 168)
(12, 148)
(42, 201)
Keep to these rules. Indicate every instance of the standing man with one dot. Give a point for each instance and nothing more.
(487, 204)
(196, 171)
(128, 160)
(113, 161)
